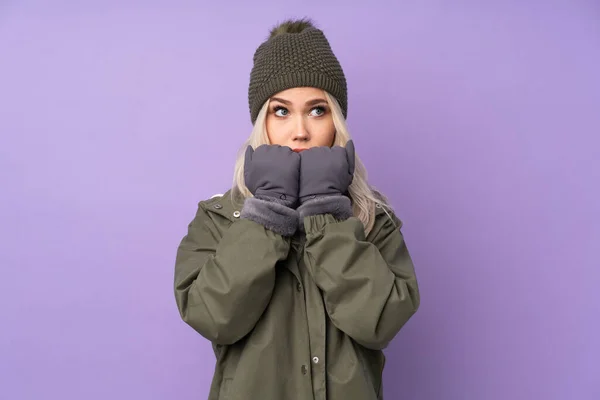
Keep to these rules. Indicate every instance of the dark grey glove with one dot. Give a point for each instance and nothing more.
(325, 175)
(271, 173)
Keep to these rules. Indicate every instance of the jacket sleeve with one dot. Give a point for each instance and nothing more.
(369, 286)
(223, 284)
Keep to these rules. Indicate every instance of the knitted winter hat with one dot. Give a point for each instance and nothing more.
(295, 54)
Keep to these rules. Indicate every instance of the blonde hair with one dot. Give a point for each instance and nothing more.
(364, 197)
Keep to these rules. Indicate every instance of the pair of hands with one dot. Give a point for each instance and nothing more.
(277, 173)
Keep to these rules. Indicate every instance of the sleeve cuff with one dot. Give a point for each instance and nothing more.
(273, 216)
(340, 207)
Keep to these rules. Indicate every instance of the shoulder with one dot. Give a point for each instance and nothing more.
(222, 205)
(385, 215)
(386, 225)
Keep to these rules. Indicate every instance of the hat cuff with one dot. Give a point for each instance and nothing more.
(279, 83)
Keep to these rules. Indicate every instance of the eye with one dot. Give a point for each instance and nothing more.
(280, 111)
(318, 111)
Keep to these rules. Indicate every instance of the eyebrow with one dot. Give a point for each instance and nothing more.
(308, 103)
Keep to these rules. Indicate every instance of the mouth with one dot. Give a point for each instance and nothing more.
(298, 150)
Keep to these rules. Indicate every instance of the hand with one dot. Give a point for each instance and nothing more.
(271, 172)
(326, 171)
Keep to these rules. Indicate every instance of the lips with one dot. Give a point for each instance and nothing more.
(299, 150)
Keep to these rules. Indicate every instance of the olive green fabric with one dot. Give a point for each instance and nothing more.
(294, 318)
(290, 60)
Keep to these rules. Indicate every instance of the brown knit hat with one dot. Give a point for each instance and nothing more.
(295, 54)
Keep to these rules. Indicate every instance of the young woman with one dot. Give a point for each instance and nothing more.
(299, 275)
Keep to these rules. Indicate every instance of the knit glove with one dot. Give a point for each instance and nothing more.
(325, 175)
(271, 174)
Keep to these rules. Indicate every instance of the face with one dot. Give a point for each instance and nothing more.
(300, 118)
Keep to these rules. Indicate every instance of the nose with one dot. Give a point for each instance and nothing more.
(301, 130)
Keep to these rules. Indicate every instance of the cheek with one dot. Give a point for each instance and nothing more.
(324, 134)
(275, 131)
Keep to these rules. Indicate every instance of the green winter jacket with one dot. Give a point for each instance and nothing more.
(301, 318)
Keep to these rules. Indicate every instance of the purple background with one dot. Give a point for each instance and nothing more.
(480, 121)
